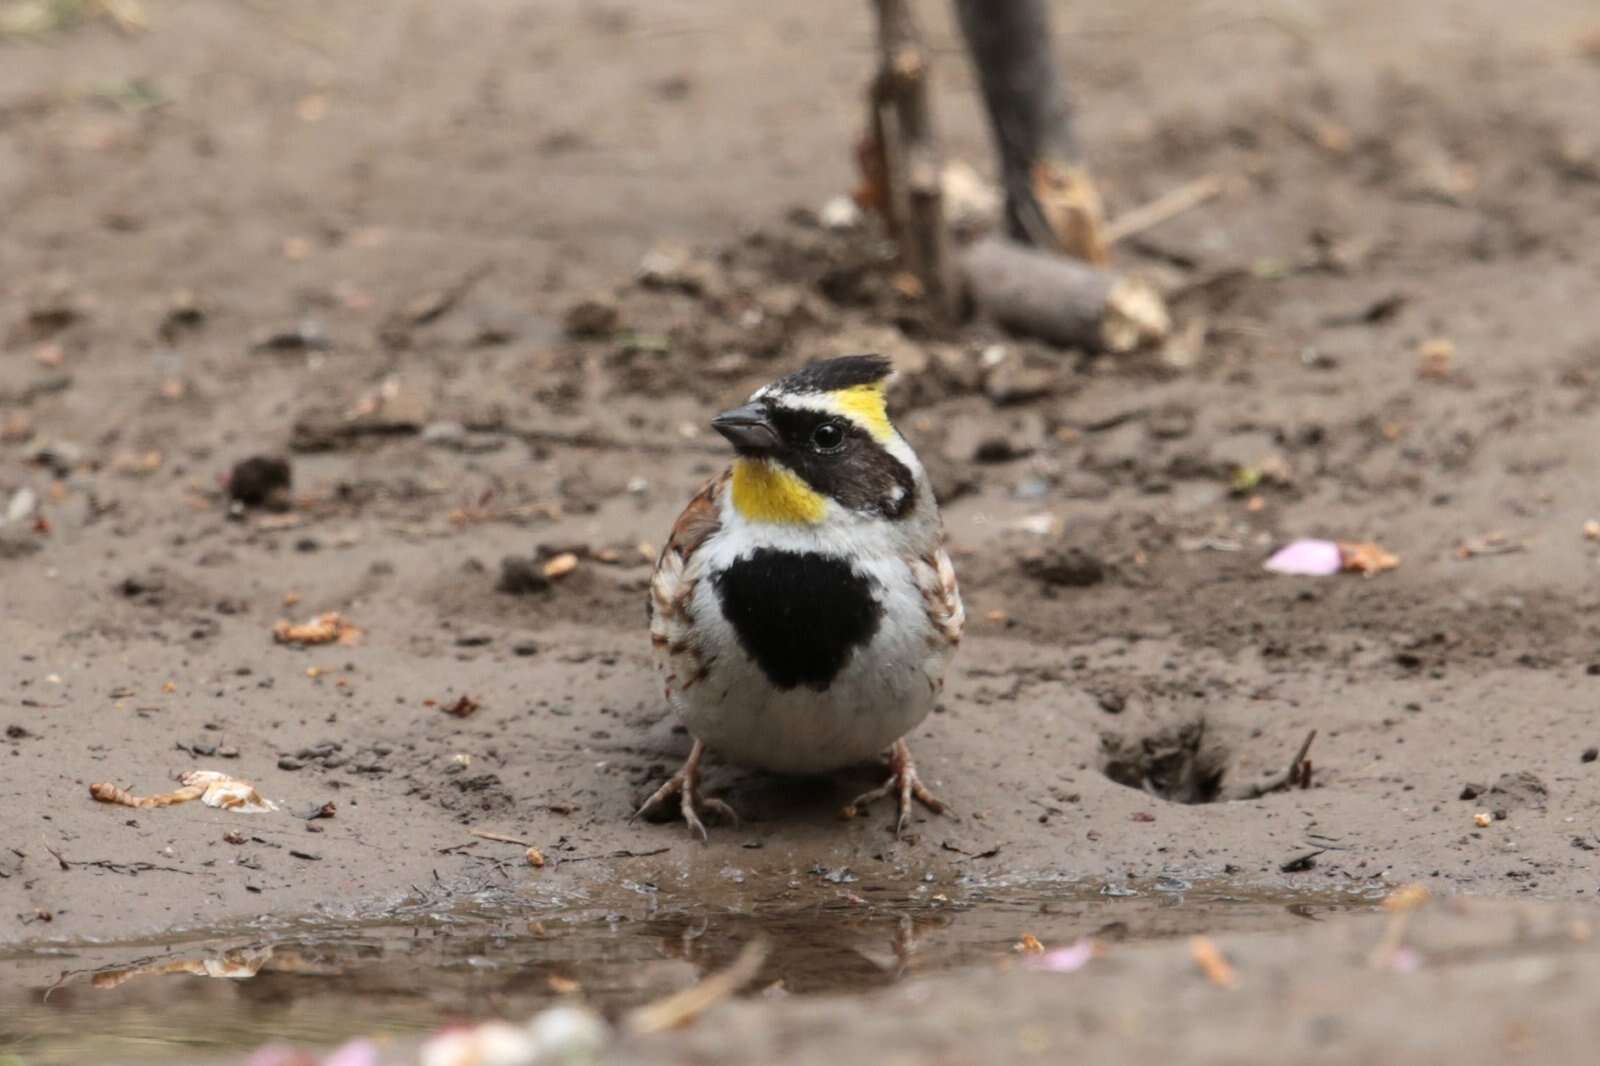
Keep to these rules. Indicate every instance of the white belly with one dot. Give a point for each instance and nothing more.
(882, 692)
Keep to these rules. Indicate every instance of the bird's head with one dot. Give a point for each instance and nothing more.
(818, 435)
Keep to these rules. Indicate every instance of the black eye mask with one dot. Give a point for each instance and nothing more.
(856, 470)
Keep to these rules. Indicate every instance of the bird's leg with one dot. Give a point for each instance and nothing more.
(686, 784)
(904, 781)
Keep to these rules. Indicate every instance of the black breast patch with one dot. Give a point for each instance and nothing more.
(798, 614)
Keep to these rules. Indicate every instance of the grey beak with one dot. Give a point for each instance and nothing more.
(747, 428)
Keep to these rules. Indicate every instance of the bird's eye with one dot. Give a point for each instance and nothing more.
(827, 437)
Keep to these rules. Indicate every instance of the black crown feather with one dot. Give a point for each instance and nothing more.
(830, 375)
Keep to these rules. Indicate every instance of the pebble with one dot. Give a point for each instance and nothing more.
(520, 576)
(840, 214)
(596, 316)
(256, 480)
(22, 504)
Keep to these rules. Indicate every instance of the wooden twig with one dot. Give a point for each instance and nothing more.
(484, 834)
(902, 126)
(1165, 207)
(1298, 772)
(683, 1007)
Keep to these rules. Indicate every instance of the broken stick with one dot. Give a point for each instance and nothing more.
(1061, 300)
(1163, 208)
(686, 1005)
(1298, 772)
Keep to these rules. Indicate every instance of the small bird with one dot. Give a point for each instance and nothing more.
(803, 610)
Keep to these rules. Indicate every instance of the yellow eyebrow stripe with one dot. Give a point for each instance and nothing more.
(865, 404)
(766, 492)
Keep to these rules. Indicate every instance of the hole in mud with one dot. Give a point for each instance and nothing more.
(1182, 763)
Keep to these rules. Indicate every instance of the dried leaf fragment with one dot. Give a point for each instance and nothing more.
(462, 707)
(330, 627)
(1212, 963)
(1483, 819)
(1365, 557)
(106, 792)
(211, 787)
(535, 858)
(1030, 945)
(225, 791)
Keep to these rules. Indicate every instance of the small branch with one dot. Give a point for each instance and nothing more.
(1164, 208)
(683, 1007)
(1298, 772)
(483, 834)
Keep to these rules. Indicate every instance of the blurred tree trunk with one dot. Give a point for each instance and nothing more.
(1051, 201)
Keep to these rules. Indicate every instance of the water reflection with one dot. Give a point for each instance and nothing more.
(316, 984)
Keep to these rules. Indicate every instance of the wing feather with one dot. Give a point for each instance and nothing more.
(936, 579)
(672, 589)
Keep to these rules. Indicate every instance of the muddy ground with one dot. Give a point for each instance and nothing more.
(355, 238)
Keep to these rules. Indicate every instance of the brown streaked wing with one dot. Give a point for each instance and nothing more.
(936, 579)
(672, 588)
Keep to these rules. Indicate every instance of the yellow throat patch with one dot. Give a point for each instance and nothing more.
(766, 492)
(865, 404)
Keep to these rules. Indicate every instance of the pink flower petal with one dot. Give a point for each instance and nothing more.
(1309, 558)
(1065, 960)
(1405, 960)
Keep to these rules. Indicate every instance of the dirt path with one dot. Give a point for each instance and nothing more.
(382, 219)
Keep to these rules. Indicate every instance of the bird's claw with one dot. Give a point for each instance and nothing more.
(905, 783)
(685, 784)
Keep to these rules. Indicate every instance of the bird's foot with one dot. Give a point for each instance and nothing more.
(903, 781)
(685, 784)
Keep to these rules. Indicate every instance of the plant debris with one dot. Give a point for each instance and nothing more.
(330, 627)
(1218, 970)
(463, 706)
(1490, 544)
(561, 565)
(683, 1007)
(1320, 558)
(211, 787)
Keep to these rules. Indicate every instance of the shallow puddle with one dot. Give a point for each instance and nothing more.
(314, 983)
